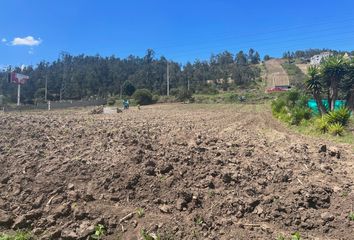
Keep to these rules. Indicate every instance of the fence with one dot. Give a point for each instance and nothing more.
(55, 105)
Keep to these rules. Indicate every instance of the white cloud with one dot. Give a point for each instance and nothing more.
(27, 41)
(3, 40)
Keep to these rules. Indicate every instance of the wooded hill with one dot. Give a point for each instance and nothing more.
(80, 77)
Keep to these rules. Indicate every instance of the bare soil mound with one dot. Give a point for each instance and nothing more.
(199, 172)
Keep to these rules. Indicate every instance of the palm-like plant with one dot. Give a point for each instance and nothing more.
(314, 85)
(348, 85)
(333, 70)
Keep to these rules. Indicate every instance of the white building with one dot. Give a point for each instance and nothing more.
(316, 60)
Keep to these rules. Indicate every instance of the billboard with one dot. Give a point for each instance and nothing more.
(17, 78)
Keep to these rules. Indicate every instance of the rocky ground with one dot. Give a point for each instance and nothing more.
(197, 171)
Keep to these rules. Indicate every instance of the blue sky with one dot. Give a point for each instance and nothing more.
(35, 30)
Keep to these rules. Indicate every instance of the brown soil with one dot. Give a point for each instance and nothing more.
(198, 171)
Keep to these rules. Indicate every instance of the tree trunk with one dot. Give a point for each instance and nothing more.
(329, 99)
(350, 100)
(333, 92)
(321, 108)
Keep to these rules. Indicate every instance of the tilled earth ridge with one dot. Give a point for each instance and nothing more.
(198, 171)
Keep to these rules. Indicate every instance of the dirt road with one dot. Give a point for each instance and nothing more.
(276, 75)
(198, 171)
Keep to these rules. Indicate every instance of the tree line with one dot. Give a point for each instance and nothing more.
(308, 53)
(82, 76)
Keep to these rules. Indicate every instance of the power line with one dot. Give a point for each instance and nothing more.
(220, 37)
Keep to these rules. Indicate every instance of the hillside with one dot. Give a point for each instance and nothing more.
(276, 75)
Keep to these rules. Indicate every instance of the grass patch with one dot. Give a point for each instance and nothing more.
(20, 235)
(308, 128)
(250, 96)
(296, 76)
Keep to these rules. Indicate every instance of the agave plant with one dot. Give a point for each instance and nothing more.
(336, 129)
(341, 115)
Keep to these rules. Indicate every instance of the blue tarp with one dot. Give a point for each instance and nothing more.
(313, 105)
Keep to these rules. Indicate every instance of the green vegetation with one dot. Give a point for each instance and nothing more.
(140, 212)
(83, 77)
(128, 88)
(296, 76)
(111, 101)
(291, 107)
(281, 237)
(16, 236)
(142, 96)
(99, 232)
(336, 129)
(333, 79)
(294, 236)
(321, 124)
(340, 116)
(182, 94)
(351, 216)
(147, 236)
(199, 220)
(328, 79)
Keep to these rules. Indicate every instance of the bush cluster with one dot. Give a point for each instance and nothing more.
(182, 94)
(291, 107)
(334, 122)
(143, 97)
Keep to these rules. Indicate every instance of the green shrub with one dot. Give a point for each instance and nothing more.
(278, 105)
(232, 98)
(298, 114)
(292, 97)
(340, 115)
(302, 101)
(184, 94)
(167, 99)
(155, 98)
(174, 91)
(336, 129)
(128, 88)
(321, 124)
(111, 101)
(142, 96)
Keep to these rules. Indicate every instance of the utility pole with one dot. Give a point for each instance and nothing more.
(188, 84)
(18, 94)
(168, 79)
(46, 87)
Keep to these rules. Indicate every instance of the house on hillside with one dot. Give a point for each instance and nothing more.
(316, 60)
